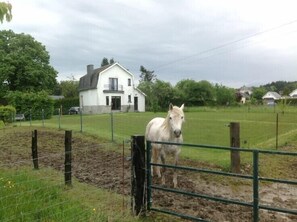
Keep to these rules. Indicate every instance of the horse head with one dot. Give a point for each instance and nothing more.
(175, 119)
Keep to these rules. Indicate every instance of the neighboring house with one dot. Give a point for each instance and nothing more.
(246, 90)
(244, 97)
(109, 88)
(270, 97)
(293, 94)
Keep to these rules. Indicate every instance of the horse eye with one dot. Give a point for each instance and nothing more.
(181, 117)
(170, 117)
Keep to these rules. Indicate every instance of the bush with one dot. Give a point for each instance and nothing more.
(66, 103)
(37, 104)
(7, 114)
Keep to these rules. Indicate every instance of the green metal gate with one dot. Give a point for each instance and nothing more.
(255, 205)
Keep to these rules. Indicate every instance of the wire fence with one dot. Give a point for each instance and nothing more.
(105, 164)
(267, 128)
(29, 195)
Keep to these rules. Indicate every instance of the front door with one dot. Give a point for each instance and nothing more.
(135, 103)
(115, 103)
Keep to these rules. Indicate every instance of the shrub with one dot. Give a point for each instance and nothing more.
(66, 103)
(38, 104)
(7, 114)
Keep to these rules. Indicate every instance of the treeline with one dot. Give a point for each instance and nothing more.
(160, 93)
(202, 93)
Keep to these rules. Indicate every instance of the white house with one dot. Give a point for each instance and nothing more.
(109, 88)
(271, 97)
(293, 94)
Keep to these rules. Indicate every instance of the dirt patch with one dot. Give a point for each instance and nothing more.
(103, 165)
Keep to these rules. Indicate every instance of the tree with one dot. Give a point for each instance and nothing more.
(5, 11)
(146, 75)
(224, 95)
(196, 93)
(111, 61)
(69, 88)
(24, 64)
(104, 62)
(257, 95)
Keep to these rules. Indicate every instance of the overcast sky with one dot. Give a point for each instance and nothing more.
(233, 43)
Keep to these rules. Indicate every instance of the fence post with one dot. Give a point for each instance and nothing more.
(30, 117)
(81, 120)
(276, 132)
(34, 149)
(42, 114)
(111, 125)
(255, 186)
(59, 118)
(138, 174)
(148, 175)
(68, 148)
(235, 142)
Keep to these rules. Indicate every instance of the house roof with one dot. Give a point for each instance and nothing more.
(293, 93)
(271, 95)
(90, 80)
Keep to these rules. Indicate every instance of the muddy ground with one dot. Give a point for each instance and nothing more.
(102, 164)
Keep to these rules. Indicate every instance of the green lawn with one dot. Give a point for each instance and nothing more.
(40, 195)
(203, 126)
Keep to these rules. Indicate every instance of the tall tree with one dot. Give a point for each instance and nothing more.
(224, 95)
(5, 11)
(111, 61)
(104, 62)
(69, 88)
(24, 64)
(146, 75)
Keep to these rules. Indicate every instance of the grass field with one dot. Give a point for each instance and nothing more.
(30, 195)
(258, 127)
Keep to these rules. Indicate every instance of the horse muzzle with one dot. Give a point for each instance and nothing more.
(177, 133)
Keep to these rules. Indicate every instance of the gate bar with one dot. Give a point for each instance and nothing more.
(218, 199)
(184, 216)
(148, 176)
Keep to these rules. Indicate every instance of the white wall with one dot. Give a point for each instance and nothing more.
(97, 97)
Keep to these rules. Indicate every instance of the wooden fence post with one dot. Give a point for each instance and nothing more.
(235, 142)
(68, 149)
(138, 174)
(34, 149)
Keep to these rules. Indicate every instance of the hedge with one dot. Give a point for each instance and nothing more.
(66, 103)
(7, 114)
(35, 105)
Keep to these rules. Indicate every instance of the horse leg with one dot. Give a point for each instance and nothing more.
(174, 172)
(164, 169)
(156, 159)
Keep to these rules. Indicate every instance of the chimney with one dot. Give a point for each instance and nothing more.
(90, 69)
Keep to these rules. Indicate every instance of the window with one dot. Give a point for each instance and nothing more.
(129, 82)
(107, 100)
(129, 99)
(113, 84)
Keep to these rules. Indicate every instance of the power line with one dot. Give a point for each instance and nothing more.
(227, 44)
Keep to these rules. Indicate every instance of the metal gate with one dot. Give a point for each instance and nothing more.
(255, 205)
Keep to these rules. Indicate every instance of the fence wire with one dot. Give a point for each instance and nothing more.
(101, 165)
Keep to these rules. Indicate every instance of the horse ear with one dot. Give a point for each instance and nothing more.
(170, 106)
(182, 106)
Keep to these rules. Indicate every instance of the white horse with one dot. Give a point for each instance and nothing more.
(167, 129)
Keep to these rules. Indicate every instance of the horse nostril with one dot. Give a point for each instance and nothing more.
(177, 133)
